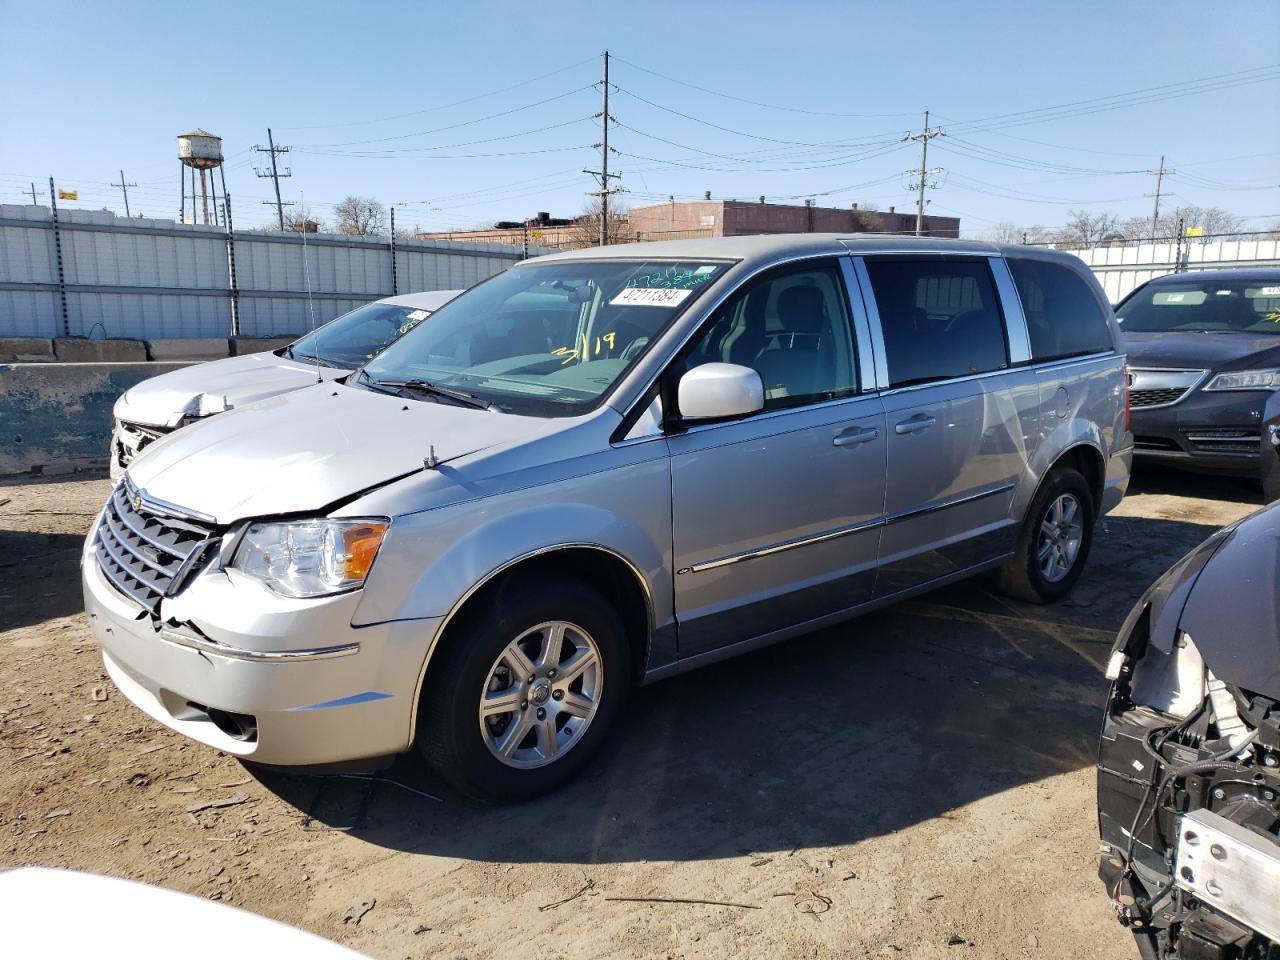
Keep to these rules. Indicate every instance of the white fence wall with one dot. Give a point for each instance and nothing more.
(151, 279)
(1120, 269)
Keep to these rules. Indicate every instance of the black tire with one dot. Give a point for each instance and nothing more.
(449, 733)
(1022, 576)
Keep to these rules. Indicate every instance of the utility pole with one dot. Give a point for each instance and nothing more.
(603, 173)
(924, 172)
(34, 201)
(125, 188)
(275, 173)
(1155, 210)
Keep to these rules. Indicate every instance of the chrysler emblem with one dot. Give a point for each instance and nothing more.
(137, 503)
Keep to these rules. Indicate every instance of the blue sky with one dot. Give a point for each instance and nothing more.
(369, 98)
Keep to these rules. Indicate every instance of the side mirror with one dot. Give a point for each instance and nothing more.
(714, 391)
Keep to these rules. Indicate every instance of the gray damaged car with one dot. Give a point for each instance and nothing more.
(598, 469)
(1189, 762)
(162, 404)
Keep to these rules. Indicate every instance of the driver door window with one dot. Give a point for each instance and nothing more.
(793, 329)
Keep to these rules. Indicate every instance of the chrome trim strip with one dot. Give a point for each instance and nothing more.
(946, 504)
(1197, 438)
(881, 521)
(257, 656)
(1017, 336)
(1136, 374)
(783, 545)
(164, 508)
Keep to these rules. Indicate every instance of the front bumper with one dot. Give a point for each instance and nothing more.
(316, 689)
(1226, 432)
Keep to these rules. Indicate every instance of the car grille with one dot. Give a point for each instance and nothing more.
(1155, 398)
(145, 555)
(133, 438)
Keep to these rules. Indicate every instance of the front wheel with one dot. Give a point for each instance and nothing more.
(524, 689)
(1054, 541)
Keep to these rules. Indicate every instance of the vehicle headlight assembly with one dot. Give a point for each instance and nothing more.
(310, 558)
(1246, 380)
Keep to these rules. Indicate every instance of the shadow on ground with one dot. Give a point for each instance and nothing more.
(39, 577)
(1160, 480)
(854, 731)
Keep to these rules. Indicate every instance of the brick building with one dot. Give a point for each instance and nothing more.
(682, 219)
(738, 218)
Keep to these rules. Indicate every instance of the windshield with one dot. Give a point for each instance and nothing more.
(1218, 306)
(351, 339)
(548, 339)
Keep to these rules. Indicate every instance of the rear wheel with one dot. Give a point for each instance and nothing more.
(1054, 541)
(524, 689)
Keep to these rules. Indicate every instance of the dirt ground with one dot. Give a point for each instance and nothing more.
(917, 783)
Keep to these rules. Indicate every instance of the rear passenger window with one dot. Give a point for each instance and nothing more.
(1064, 318)
(941, 318)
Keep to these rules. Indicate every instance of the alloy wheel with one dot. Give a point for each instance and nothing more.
(1061, 533)
(541, 694)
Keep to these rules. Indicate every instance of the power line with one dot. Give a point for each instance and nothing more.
(446, 106)
(318, 151)
(454, 126)
(758, 103)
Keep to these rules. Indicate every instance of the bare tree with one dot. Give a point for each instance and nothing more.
(1085, 229)
(1005, 232)
(585, 229)
(360, 216)
(303, 219)
(1211, 220)
(1008, 232)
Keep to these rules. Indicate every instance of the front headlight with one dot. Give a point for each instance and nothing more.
(1246, 380)
(310, 558)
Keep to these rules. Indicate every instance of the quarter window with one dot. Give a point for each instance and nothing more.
(793, 329)
(1064, 318)
(940, 319)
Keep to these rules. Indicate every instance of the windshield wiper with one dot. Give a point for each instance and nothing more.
(418, 385)
(313, 358)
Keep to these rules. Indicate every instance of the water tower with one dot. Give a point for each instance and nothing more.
(201, 150)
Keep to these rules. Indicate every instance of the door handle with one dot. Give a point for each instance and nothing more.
(857, 435)
(921, 421)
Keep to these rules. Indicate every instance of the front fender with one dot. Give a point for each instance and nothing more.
(431, 561)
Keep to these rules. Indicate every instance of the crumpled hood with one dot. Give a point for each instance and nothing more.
(304, 450)
(162, 401)
(1202, 351)
(1233, 610)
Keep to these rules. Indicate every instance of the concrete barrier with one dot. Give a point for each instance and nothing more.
(56, 417)
(26, 350)
(187, 349)
(242, 345)
(80, 350)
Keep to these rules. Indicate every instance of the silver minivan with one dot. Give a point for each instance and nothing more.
(598, 469)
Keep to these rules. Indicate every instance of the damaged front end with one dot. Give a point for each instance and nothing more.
(1189, 762)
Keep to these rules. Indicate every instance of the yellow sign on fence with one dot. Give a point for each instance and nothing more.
(1195, 231)
(68, 194)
